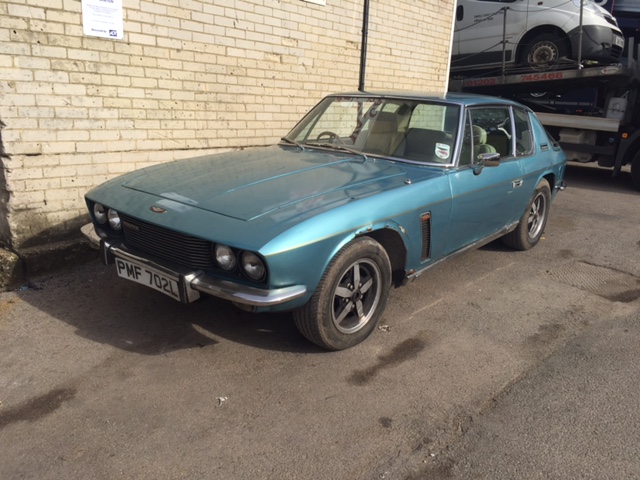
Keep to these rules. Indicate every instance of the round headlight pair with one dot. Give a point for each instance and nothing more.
(225, 257)
(250, 263)
(253, 266)
(104, 215)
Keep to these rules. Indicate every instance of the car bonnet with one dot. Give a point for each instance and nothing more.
(251, 183)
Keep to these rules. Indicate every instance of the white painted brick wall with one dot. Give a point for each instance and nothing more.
(186, 80)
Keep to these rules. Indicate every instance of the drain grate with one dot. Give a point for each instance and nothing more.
(602, 281)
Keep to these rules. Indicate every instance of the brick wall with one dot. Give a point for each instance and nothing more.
(189, 77)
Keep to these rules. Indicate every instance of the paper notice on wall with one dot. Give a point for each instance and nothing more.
(102, 18)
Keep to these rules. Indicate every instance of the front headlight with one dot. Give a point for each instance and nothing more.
(253, 266)
(593, 8)
(224, 257)
(114, 219)
(99, 213)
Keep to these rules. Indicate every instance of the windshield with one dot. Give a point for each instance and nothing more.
(422, 131)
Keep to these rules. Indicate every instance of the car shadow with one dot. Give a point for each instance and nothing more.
(497, 246)
(591, 177)
(106, 309)
(583, 177)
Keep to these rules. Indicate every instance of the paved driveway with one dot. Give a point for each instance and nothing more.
(100, 378)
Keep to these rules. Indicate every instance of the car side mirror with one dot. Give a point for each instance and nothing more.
(486, 160)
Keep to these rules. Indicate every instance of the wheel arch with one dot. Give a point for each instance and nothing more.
(551, 178)
(394, 245)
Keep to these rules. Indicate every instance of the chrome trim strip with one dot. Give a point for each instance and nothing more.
(473, 246)
(190, 294)
(245, 295)
(90, 234)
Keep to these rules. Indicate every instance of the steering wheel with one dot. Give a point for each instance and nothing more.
(331, 136)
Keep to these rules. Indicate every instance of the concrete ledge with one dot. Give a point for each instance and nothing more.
(18, 269)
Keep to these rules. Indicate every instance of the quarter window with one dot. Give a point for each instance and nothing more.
(524, 142)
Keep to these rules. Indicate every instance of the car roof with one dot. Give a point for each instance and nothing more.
(468, 99)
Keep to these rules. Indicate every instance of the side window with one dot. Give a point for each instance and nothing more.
(524, 138)
(492, 130)
(474, 141)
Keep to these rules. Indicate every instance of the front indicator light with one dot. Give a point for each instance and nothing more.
(224, 257)
(114, 219)
(253, 267)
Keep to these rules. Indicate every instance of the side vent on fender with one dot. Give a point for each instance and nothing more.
(425, 220)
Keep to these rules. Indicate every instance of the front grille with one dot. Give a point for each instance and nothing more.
(166, 244)
(616, 52)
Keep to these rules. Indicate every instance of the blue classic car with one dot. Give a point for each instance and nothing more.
(367, 192)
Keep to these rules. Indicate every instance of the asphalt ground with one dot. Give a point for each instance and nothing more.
(497, 364)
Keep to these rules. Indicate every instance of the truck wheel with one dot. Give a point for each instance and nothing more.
(635, 171)
(350, 297)
(529, 230)
(543, 51)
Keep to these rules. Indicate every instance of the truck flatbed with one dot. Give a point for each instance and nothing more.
(544, 80)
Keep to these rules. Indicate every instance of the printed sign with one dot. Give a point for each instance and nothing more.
(102, 18)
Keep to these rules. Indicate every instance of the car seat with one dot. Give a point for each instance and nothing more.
(479, 146)
(383, 135)
(423, 144)
(480, 141)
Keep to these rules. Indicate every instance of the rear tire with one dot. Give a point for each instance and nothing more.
(531, 226)
(350, 297)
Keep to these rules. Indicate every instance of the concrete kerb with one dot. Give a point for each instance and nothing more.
(18, 268)
(11, 270)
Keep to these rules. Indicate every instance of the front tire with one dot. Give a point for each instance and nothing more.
(531, 226)
(350, 297)
(543, 52)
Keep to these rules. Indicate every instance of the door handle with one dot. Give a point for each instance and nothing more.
(517, 183)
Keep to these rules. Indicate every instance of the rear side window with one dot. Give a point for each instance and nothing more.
(524, 138)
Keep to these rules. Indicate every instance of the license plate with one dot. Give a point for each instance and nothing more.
(619, 41)
(149, 277)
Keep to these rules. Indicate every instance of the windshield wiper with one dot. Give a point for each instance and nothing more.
(292, 142)
(342, 148)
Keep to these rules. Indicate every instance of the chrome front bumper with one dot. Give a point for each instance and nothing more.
(191, 283)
